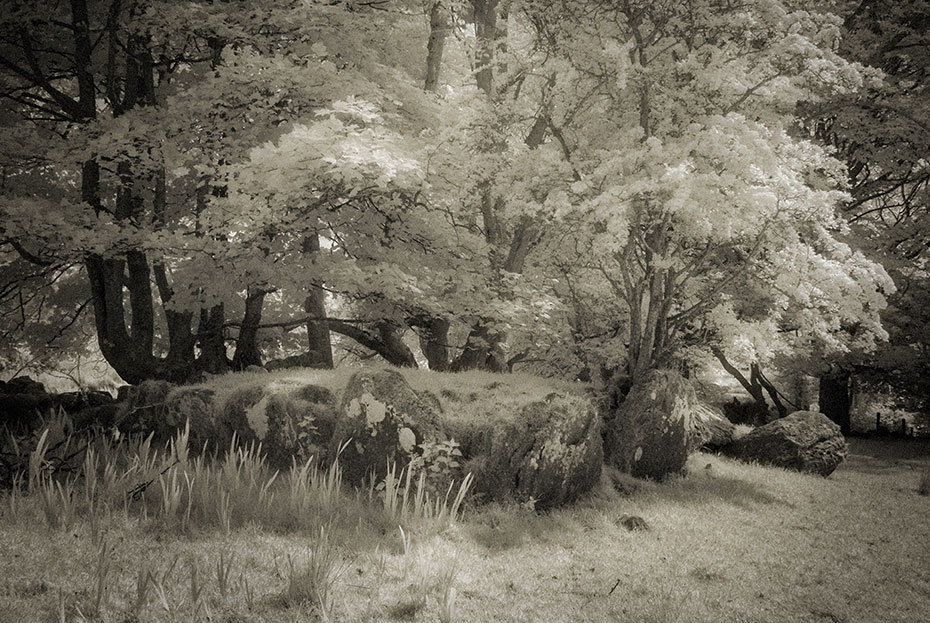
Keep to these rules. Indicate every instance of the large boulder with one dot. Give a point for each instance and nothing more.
(292, 423)
(23, 403)
(23, 412)
(548, 452)
(24, 385)
(709, 428)
(383, 420)
(73, 402)
(208, 428)
(805, 441)
(143, 409)
(648, 434)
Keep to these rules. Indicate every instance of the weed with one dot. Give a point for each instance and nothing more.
(14, 502)
(313, 583)
(923, 487)
(439, 461)
(405, 499)
(223, 570)
(37, 463)
(101, 587)
(57, 500)
(143, 583)
(171, 492)
(160, 583)
(405, 542)
(446, 591)
(248, 593)
(223, 511)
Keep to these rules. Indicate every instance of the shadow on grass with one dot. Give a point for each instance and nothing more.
(890, 449)
(705, 490)
(502, 527)
(882, 456)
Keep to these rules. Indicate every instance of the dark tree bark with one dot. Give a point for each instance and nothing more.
(386, 340)
(438, 29)
(484, 346)
(757, 385)
(434, 342)
(319, 344)
(126, 313)
(483, 351)
(485, 12)
(211, 340)
(836, 398)
(247, 353)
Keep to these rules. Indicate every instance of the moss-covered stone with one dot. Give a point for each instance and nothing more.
(143, 409)
(648, 435)
(237, 408)
(805, 441)
(548, 452)
(709, 428)
(292, 423)
(384, 420)
(299, 429)
(209, 428)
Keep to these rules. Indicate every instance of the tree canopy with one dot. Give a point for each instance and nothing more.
(580, 186)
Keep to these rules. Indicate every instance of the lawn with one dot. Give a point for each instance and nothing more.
(729, 542)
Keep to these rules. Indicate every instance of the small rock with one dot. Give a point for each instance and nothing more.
(633, 523)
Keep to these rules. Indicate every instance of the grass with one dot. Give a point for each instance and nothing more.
(731, 542)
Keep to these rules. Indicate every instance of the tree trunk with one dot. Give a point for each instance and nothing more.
(486, 33)
(760, 379)
(319, 343)
(836, 398)
(484, 346)
(393, 348)
(116, 345)
(760, 414)
(386, 340)
(434, 341)
(211, 340)
(482, 351)
(438, 29)
(247, 353)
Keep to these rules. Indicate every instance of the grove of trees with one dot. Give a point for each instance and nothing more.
(583, 188)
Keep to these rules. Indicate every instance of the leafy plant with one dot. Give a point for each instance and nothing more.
(439, 461)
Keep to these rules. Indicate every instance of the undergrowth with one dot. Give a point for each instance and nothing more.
(100, 480)
(171, 487)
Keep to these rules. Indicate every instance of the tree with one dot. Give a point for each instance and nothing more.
(700, 211)
(883, 134)
(562, 184)
(124, 123)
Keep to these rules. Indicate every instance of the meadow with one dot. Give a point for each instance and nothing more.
(233, 542)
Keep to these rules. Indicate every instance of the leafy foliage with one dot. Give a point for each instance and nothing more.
(583, 186)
